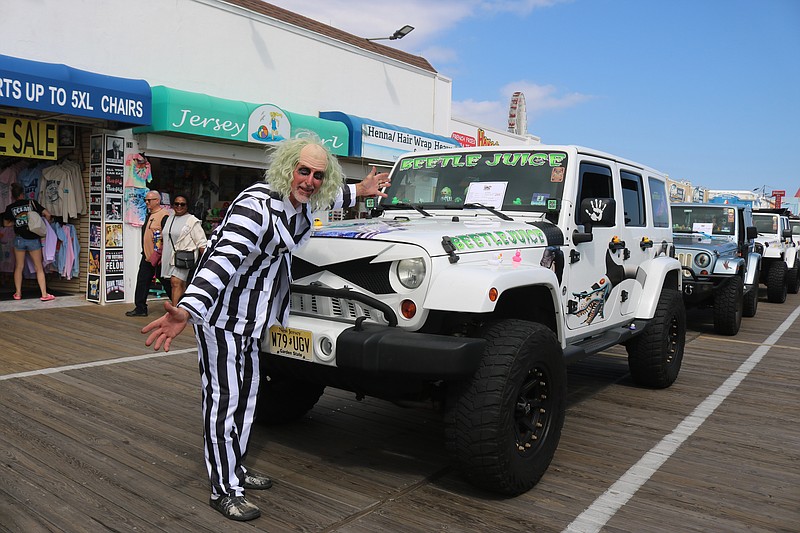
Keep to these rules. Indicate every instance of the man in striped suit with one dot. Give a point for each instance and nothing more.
(240, 289)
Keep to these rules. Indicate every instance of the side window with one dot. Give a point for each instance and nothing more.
(595, 182)
(658, 195)
(633, 198)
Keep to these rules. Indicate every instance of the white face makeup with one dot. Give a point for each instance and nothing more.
(308, 174)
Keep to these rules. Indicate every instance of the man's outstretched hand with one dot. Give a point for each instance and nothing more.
(163, 330)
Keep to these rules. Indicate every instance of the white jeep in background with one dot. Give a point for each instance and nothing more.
(780, 269)
(484, 272)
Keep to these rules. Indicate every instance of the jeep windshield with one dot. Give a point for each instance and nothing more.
(711, 220)
(766, 224)
(513, 180)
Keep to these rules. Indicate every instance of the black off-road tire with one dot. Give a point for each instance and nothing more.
(655, 355)
(502, 427)
(776, 282)
(729, 306)
(283, 399)
(793, 275)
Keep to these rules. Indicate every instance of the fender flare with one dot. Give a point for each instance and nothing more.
(791, 256)
(481, 278)
(753, 266)
(735, 264)
(653, 276)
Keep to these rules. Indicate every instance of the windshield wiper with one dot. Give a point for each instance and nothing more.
(404, 205)
(492, 210)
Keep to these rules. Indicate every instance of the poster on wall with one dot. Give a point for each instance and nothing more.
(93, 288)
(114, 151)
(113, 235)
(114, 180)
(96, 150)
(94, 262)
(113, 208)
(114, 264)
(95, 237)
(95, 206)
(115, 288)
(96, 179)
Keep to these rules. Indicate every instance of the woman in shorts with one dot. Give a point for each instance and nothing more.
(25, 241)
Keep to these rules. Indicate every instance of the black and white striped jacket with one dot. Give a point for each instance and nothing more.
(243, 277)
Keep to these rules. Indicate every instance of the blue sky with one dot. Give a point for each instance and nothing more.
(703, 90)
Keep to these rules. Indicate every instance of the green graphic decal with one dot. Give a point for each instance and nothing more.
(506, 238)
(508, 159)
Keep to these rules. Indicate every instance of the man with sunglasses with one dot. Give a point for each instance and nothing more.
(240, 289)
(156, 218)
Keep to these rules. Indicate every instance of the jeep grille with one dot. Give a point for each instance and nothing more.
(329, 307)
(373, 277)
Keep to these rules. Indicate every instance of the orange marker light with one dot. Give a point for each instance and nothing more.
(408, 309)
(493, 294)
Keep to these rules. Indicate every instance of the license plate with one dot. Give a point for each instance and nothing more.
(290, 341)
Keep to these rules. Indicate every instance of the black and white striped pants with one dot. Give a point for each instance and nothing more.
(230, 376)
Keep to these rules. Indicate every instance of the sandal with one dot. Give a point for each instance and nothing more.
(47, 298)
(17, 296)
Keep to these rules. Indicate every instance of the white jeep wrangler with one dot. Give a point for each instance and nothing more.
(780, 269)
(484, 272)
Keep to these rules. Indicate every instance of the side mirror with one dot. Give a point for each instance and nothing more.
(598, 212)
(751, 232)
(786, 234)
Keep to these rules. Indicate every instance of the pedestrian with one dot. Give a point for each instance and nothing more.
(184, 232)
(240, 289)
(26, 241)
(152, 242)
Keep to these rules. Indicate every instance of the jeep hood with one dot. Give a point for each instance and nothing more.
(475, 234)
(695, 241)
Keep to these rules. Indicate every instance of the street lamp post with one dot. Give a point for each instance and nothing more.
(399, 34)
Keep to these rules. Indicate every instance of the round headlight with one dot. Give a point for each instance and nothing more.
(411, 272)
(702, 260)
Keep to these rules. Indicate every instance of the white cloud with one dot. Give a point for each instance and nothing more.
(488, 112)
(542, 98)
(539, 99)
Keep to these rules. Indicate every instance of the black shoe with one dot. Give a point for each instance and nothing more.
(136, 312)
(256, 482)
(236, 508)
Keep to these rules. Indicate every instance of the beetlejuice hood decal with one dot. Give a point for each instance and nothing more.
(472, 235)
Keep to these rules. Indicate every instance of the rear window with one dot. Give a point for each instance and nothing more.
(658, 197)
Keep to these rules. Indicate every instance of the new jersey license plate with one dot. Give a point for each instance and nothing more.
(290, 341)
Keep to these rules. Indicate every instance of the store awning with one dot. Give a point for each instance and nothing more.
(192, 113)
(380, 141)
(64, 90)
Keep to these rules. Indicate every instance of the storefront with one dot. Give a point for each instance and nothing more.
(210, 149)
(48, 115)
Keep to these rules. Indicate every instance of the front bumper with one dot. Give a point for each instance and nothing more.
(369, 341)
(386, 350)
(697, 290)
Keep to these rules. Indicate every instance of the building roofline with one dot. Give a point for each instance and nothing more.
(294, 19)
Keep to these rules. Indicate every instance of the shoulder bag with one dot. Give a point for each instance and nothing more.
(36, 223)
(183, 258)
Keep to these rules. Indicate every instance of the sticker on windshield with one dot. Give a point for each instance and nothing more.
(540, 199)
(490, 193)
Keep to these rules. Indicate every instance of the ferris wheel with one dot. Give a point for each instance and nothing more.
(518, 114)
